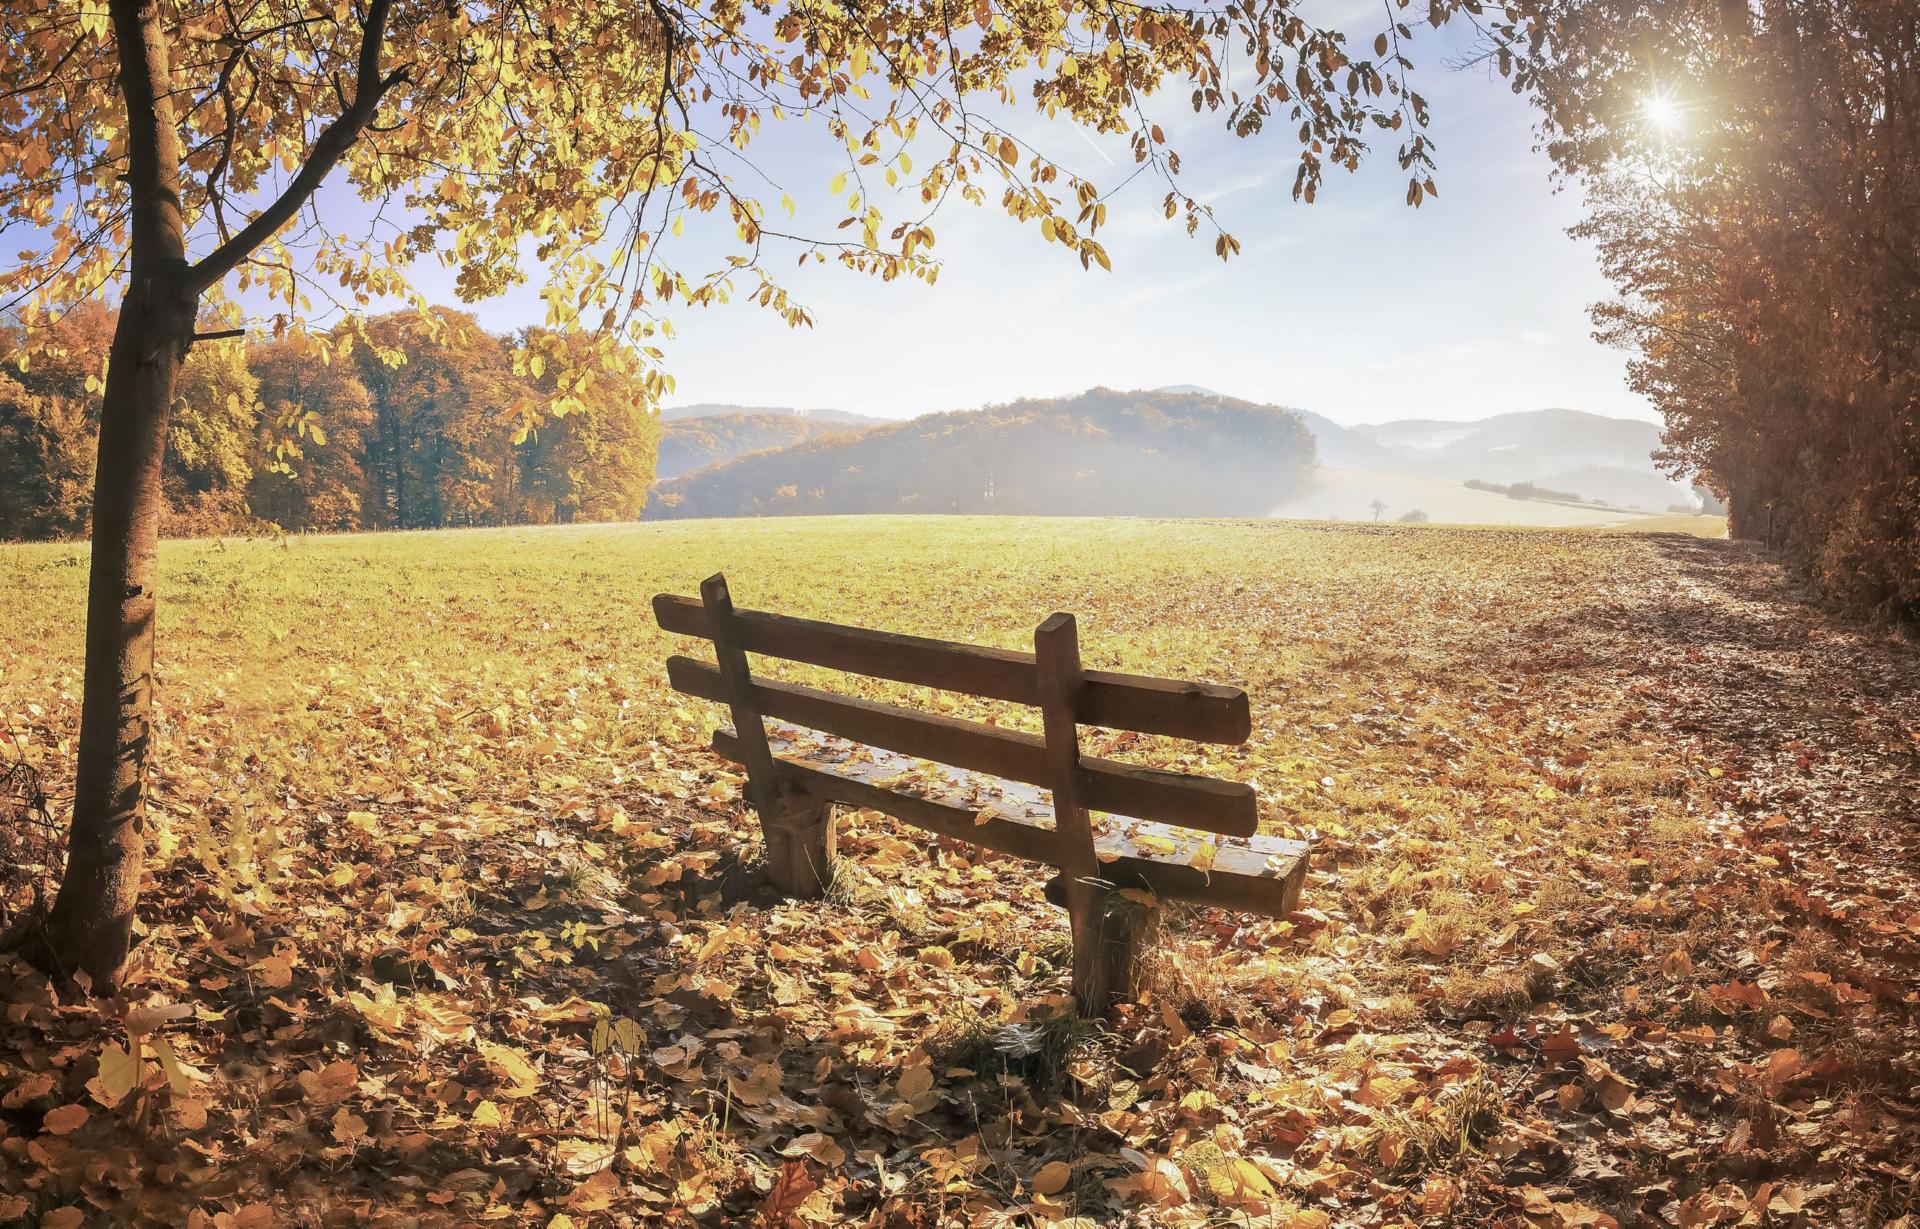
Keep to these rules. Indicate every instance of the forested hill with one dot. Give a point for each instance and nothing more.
(687, 444)
(1101, 453)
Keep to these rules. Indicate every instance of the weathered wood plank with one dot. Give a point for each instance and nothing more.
(798, 831)
(1056, 654)
(1203, 712)
(1261, 874)
(1227, 807)
(736, 691)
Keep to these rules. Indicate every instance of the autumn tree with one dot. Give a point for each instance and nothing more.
(1753, 178)
(442, 391)
(210, 436)
(596, 463)
(312, 432)
(167, 154)
(49, 422)
(46, 462)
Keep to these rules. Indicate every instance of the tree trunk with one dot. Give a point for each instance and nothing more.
(90, 927)
(92, 919)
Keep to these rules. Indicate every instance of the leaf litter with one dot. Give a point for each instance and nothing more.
(453, 919)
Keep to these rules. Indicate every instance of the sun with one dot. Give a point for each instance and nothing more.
(1663, 111)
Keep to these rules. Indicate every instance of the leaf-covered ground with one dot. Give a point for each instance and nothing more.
(1614, 918)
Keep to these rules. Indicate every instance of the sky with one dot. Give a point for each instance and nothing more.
(1357, 306)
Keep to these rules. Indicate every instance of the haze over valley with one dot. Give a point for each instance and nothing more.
(1537, 467)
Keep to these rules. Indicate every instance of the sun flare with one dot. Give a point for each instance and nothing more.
(1663, 111)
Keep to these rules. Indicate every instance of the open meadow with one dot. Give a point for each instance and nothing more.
(1613, 917)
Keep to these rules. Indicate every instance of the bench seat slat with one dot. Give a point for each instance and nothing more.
(1203, 712)
(1261, 874)
(1227, 807)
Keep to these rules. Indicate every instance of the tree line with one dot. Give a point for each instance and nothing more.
(1753, 178)
(402, 421)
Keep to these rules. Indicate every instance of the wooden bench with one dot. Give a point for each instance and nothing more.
(1169, 835)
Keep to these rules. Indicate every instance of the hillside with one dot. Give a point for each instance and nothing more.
(691, 443)
(1101, 453)
(1345, 446)
(1409, 464)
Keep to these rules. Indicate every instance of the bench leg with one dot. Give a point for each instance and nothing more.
(800, 845)
(1106, 946)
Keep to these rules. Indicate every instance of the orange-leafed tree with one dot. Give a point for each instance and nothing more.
(1752, 173)
(168, 154)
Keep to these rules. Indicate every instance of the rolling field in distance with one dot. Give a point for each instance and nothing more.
(1348, 495)
(1592, 813)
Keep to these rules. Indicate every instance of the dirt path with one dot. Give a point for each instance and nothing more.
(1801, 932)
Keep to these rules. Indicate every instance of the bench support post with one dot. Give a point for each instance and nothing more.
(800, 835)
(1056, 653)
(1126, 925)
(798, 828)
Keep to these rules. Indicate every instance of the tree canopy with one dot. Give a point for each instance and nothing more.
(568, 144)
(1754, 178)
(406, 433)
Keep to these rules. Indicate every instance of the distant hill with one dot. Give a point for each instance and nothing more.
(1606, 460)
(1101, 453)
(1345, 447)
(1556, 439)
(1339, 446)
(691, 443)
(714, 409)
(1603, 460)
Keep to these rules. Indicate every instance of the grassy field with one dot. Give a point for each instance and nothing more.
(1613, 914)
(1348, 495)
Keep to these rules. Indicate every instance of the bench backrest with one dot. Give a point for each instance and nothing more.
(1051, 678)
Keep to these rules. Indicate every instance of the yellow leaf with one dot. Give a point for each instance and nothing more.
(180, 1077)
(514, 1065)
(119, 1071)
